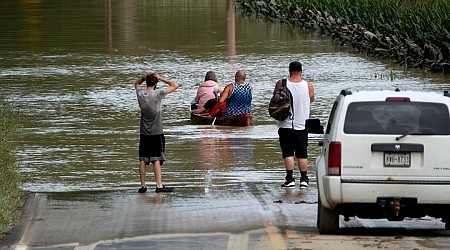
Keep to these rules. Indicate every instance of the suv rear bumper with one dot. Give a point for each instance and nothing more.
(337, 192)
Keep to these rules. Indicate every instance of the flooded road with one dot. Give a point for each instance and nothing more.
(70, 66)
(72, 80)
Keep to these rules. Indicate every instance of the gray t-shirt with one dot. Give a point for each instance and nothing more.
(151, 115)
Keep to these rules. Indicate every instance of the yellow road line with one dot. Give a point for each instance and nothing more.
(274, 235)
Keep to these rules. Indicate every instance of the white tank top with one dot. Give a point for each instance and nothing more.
(300, 107)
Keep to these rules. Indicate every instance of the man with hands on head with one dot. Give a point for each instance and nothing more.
(152, 140)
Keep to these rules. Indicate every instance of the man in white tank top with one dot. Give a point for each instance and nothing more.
(292, 133)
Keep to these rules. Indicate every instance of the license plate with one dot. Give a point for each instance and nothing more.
(397, 159)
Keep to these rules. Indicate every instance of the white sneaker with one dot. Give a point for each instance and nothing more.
(290, 183)
(304, 181)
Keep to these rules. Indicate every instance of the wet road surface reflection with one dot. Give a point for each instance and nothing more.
(243, 216)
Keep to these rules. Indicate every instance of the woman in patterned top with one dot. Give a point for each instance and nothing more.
(238, 96)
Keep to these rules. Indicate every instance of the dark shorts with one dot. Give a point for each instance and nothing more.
(151, 148)
(293, 141)
(209, 105)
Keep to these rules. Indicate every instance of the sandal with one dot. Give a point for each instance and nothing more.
(164, 189)
(142, 190)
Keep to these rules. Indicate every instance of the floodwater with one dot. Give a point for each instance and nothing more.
(69, 67)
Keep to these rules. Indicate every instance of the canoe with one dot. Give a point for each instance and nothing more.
(240, 120)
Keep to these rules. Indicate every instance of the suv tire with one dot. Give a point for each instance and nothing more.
(327, 220)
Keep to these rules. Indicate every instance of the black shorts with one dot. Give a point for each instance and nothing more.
(209, 105)
(293, 142)
(151, 148)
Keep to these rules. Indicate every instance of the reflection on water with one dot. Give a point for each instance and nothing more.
(70, 66)
(220, 153)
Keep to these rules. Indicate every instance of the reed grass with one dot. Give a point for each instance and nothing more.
(421, 27)
(11, 196)
(423, 20)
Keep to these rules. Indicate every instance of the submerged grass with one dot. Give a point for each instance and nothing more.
(11, 196)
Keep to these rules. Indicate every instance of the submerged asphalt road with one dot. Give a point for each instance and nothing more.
(258, 217)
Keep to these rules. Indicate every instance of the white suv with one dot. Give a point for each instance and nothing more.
(385, 154)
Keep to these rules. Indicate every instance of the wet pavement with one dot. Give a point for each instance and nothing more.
(260, 216)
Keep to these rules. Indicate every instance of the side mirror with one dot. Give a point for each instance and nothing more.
(313, 126)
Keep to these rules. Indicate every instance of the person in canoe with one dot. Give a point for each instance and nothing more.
(207, 91)
(210, 107)
(237, 95)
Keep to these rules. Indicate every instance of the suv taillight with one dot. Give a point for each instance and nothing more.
(398, 99)
(334, 158)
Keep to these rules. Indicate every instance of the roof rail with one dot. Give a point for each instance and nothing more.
(397, 90)
(345, 92)
(446, 93)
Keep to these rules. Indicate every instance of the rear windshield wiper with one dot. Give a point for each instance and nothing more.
(413, 133)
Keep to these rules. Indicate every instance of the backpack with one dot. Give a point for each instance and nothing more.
(280, 103)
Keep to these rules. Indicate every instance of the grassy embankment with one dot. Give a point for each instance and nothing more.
(414, 33)
(11, 196)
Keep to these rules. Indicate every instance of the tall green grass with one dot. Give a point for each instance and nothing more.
(11, 197)
(423, 21)
(420, 29)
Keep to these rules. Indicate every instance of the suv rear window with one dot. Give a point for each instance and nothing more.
(397, 118)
